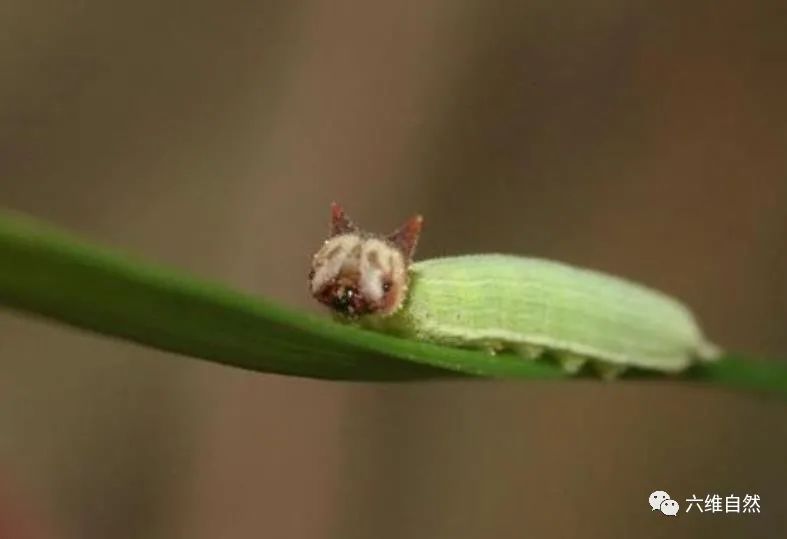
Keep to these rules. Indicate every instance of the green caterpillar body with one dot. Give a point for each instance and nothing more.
(528, 305)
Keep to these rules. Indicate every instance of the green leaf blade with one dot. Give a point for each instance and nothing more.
(46, 272)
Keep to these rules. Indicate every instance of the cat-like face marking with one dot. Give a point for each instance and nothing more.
(356, 273)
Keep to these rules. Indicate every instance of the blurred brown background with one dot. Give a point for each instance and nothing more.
(646, 139)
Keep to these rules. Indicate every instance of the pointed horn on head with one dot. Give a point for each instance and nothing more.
(406, 237)
(340, 223)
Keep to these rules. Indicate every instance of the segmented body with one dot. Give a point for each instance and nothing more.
(529, 305)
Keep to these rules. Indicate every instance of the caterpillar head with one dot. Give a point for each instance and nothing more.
(356, 273)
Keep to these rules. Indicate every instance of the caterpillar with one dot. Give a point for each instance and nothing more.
(496, 302)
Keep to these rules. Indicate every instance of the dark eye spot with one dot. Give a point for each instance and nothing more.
(311, 275)
(387, 286)
(342, 300)
(345, 301)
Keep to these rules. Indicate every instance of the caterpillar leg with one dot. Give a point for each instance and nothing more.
(609, 371)
(571, 363)
(707, 351)
(491, 347)
(528, 351)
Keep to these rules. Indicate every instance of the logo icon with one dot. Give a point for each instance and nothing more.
(669, 507)
(661, 501)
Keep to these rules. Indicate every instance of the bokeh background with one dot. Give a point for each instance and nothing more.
(646, 139)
